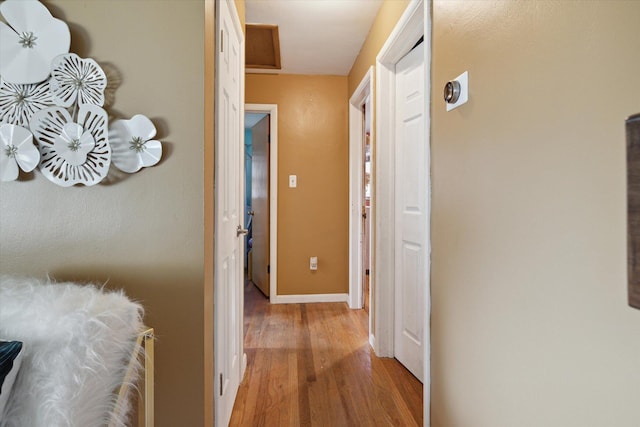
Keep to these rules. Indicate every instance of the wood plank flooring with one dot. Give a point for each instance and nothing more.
(312, 365)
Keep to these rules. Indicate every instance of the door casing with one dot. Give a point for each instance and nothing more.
(356, 166)
(414, 23)
(272, 111)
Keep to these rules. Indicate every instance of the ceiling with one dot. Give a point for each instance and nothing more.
(250, 119)
(316, 36)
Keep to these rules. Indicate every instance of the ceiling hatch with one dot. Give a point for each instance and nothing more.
(262, 47)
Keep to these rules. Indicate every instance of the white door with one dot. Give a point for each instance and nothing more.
(260, 205)
(411, 187)
(229, 158)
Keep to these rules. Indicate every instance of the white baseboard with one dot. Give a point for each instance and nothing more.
(372, 341)
(297, 299)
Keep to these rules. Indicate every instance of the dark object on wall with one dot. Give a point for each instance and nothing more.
(633, 209)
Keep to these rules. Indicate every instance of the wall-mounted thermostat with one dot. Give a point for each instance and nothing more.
(456, 91)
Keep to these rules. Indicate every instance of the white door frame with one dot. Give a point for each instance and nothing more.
(272, 111)
(356, 165)
(414, 23)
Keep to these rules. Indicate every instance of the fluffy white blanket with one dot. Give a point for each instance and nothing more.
(77, 344)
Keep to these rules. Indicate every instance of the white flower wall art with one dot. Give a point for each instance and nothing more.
(73, 151)
(133, 146)
(55, 99)
(30, 41)
(77, 81)
(18, 102)
(18, 150)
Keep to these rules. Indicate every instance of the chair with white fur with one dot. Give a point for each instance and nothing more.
(81, 355)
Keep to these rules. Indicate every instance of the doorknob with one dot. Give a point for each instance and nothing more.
(252, 213)
(241, 231)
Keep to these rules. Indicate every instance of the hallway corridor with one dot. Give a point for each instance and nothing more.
(311, 365)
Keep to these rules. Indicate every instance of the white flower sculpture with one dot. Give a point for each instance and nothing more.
(19, 102)
(73, 153)
(18, 150)
(58, 96)
(76, 80)
(30, 41)
(132, 143)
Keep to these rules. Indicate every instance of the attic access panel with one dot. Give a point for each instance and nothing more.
(262, 47)
(633, 209)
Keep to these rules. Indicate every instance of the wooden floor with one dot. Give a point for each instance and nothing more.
(311, 365)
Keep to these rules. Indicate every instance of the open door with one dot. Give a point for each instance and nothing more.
(229, 242)
(411, 192)
(260, 205)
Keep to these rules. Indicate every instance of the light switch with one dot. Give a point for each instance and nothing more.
(293, 181)
(313, 263)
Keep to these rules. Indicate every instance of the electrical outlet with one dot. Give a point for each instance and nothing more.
(313, 263)
(293, 181)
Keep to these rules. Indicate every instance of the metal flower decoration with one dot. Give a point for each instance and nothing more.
(74, 144)
(30, 41)
(18, 150)
(19, 102)
(73, 153)
(132, 143)
(59, 97)
(76, 80)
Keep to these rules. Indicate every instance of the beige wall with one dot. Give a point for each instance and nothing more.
(145, 232)
(312, 144)
(386, 19)
(241, 8)
(530, 323)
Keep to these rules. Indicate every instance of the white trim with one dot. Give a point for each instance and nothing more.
(272, 110)
(401, 40)
(356, 124)
(426, 399)
(403, 37)
(310, 298)
(415, 22)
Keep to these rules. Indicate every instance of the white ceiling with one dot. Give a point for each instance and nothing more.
(316, 36)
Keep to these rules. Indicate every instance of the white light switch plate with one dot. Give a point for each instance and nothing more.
(313, 263)
(293, 181)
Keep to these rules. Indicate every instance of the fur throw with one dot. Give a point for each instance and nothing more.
(78, 342)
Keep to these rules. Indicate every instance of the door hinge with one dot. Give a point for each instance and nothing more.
(268, 269)
(220, 383)
(221, 40)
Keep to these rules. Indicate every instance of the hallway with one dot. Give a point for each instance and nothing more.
(311, 365)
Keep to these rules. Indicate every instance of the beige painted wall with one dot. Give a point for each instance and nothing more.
(145, 232)
(386, 19)
(312, 144)
(530, 323)
(241, 7)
